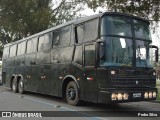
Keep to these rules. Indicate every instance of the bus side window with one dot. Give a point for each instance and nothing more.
(21, 48)
(13, 50)
(91, 30)
(65, 37)
(79, 31)
(56, 38)
(89, 55)
(62, 37)
(87, 31)
(78, 55)
(45, 42)
(31, 45)
(5, 52)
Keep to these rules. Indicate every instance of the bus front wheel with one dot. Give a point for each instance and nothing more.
(14, 85)
(21, 86)
(72, 95)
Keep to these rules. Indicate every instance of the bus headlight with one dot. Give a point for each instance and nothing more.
(150, 95)
(114, 96)
(154, 73)
(113, 72)
(146, 95)
(125, 96)
(119, 96)
(154, 94)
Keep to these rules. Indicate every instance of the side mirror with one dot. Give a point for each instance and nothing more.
(156, 55)
(156, 52)
(101, 44)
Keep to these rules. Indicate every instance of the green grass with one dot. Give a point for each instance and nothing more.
(158, 97)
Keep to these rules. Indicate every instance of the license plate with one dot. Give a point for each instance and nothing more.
(136, 95)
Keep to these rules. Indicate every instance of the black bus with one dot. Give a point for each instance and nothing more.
(104, 58)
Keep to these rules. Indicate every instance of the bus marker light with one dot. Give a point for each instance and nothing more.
(146, 95)
(154, 94)
(60, 77)
(150, 94)
(89, 78)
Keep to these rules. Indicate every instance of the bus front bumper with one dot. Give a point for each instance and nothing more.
(114, 95)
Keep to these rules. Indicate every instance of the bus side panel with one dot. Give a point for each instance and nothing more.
(10, 70)
(44, 72)
(61, 59)
(20, 69)
(30, 73)
(103, 84)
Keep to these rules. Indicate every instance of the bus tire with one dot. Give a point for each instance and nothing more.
(21, 86)
(72, 94)
(14, 85)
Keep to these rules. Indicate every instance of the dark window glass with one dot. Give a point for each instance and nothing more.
(5, 52)
(56, 38)
(32, 45)
(45, 42)
(80, 35)
(78, 55)
(118, 51)
(142, 54)
(62, 36)
(89, 55)
(91, 30)
(21, 48)
(65, 36)
(141, 30)
(13, 50)
(116, 25)
(87, 31)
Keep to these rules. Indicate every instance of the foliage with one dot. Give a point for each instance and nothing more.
(143, 8)
(21, 18)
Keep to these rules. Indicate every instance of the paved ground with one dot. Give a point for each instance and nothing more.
(32, 102)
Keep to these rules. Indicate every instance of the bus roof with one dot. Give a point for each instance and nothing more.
(75, 21)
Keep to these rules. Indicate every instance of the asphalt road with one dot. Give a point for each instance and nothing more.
(33, 103)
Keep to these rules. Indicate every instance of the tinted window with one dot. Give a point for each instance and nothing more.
(65, 35)
(89, 55)
(80, 35)
(5, 52)
(56, 37)
(13, 49)
(21, 48)
(78, 55)
(91, 30)
(87, 31)
(45, 42)
(62, 36)
(116, 25)
(32, 45)
(141, 30)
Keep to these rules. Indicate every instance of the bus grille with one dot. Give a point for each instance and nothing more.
(132, 82)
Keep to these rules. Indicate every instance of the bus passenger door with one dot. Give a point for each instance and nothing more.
(89, 81)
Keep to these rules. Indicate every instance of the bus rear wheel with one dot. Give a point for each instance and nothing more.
(21, 86)
(72, 95)
(14, 85)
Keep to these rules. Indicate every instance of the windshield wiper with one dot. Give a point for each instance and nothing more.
(127, 62)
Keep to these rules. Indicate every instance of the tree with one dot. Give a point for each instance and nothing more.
(21, 18)
(142, 8)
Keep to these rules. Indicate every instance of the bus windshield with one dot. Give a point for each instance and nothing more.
(117, 33)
